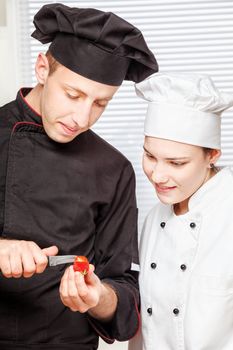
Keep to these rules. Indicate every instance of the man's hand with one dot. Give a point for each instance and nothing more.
(23, 258)
(87, 293)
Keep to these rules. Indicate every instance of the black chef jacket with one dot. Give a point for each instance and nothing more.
(79, 196)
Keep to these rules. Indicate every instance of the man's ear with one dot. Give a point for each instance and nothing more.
(42, 68)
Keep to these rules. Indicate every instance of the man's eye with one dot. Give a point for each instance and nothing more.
(100, 105)
(73, 97)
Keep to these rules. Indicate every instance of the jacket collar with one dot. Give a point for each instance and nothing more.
(214, 190)
(27, 112)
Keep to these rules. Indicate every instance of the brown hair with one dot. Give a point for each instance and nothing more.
(53, 63)
(207, 150)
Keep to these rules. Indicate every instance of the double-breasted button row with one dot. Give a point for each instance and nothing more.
(153, 265)
(192, 224)
(175, 311)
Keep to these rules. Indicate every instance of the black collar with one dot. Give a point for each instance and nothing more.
(27, 112)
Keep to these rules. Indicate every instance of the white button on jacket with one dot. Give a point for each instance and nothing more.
(187, 298)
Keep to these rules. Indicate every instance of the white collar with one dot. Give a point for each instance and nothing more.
(214, 190)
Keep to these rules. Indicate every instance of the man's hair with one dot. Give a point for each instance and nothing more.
(53, 63)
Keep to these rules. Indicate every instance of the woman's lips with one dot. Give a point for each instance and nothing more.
(164, 189)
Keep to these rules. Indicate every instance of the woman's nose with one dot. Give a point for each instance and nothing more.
(159, 176)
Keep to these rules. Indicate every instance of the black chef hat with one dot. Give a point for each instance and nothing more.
(97, 45)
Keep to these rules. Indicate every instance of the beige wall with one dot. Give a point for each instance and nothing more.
(9, 74)
(115, 346)
(2, 13)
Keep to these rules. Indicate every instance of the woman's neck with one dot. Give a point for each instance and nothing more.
(182, 207)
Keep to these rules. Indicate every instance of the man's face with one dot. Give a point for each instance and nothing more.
(176, 170)
(70, 104)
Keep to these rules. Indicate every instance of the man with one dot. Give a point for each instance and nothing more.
(63, 188)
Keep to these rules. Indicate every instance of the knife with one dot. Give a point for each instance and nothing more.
(60, 259)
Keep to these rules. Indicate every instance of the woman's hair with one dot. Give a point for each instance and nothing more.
(207, 150)
(53, 63)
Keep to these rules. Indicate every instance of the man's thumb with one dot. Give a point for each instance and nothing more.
(91, 277)
(53, 250)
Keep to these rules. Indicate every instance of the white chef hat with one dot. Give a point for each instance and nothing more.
(184, 107)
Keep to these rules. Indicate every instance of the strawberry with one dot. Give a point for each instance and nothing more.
(81, 264)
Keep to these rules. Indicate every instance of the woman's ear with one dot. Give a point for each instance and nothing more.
(214, 155)
(42, 68)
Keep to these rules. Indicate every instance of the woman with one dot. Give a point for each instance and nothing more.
(186, 246)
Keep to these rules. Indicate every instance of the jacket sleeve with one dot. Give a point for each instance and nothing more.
(116, 249)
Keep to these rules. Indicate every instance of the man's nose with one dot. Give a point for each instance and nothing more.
(81, 115)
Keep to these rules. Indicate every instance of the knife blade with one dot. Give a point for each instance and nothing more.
(60, 259)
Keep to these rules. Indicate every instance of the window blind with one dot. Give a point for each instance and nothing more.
(184, 35)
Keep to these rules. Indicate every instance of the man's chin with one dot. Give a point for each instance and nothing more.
(60, 138)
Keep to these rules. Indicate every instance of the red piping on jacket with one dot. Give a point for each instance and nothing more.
(139, 317)
(110, 340)
(30, 123)
(24, 99)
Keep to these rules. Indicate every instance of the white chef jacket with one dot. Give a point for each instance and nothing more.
(186, 272)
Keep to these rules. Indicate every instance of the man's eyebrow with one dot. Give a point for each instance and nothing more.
(76, 89)
(177, 158)
(73, 88)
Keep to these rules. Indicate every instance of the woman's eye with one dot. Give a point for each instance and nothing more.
(177, 163)
(149, 156)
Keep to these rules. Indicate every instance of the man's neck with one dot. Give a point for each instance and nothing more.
(34, 98)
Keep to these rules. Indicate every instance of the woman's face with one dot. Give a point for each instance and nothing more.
(176, 170)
